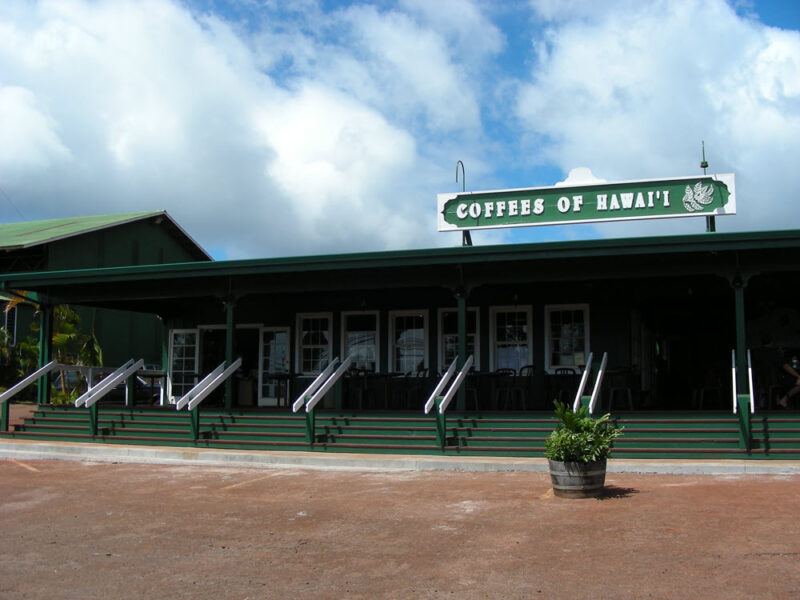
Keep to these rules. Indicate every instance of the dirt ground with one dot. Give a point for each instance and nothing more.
(90, 530)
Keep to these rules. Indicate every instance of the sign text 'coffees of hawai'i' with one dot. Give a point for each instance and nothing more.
(589, 203)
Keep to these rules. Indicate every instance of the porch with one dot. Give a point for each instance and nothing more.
(669, 312)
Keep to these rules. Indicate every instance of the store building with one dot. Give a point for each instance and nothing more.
(670, 312)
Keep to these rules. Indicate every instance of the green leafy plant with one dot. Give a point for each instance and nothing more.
(59, 396)
(580, 438)
(70, 346)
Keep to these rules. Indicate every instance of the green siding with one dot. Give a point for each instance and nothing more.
(122, 335)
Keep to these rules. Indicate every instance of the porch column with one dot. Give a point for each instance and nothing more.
(742, 394)
(461, 301)
(229, 306)
(45, 351)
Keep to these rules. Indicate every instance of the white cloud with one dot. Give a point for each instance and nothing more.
(302, 128)
(580, 176)
(632, 90)
(32, 140)
(130, 105)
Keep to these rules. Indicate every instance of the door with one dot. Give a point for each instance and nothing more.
(183, 358)
(274, 372)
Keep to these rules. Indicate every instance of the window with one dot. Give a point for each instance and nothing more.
(408, 341)
(313, 342)
(567, 335)
(183, 352)
(511, 337)
(360, 336)
(448, 336)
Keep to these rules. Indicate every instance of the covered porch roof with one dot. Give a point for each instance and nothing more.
(163, 288)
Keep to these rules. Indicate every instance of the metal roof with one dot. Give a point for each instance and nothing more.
(16, 236)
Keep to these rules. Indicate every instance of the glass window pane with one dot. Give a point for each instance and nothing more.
(408, 353)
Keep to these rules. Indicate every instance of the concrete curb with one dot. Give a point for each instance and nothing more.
(34, 450)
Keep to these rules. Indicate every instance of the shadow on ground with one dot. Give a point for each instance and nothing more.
(612, 492)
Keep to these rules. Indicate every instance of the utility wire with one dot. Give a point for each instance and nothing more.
(8, 199)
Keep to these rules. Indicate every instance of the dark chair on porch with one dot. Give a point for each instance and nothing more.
(503, 388)
(708, 390)
(522, 388)
(619, 388)
(471, 390)
(355, 381)
(407, 393)
(563, 384)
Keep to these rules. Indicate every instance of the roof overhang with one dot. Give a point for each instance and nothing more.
(140, 287)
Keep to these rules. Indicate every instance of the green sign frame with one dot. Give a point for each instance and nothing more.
(701, 195)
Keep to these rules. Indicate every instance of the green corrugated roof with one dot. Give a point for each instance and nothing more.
(32, 233)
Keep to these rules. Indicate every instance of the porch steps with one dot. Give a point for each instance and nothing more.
(776, 434)
(376, 432)
(115, 424)
(658, 435)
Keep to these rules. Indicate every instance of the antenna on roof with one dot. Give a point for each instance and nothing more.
(466, 237)
(711, 223)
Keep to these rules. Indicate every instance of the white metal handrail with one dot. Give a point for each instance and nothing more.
(103, 384)
(109, 383)
(209, 386)
(584, 379)
(441, 385)
(318, 381)
(598, 382)
(21, 385)
(750, 381)
(199, 386)
(454, 388)
(733, 381)
(323, 389)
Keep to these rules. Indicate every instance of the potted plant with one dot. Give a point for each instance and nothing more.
(577, 451)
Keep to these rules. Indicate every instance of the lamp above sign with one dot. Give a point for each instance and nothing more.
(590, 203)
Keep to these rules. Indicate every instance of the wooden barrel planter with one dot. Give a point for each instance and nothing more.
(578, 480)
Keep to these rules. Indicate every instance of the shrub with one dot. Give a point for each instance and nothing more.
(580, 438)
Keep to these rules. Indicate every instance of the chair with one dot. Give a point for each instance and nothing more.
(619, 388)
(411, 385)
(563, 384)
(502, 387)
(710, 388)
(522, 387)
(357, 393)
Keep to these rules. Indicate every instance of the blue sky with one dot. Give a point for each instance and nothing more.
(272, 128)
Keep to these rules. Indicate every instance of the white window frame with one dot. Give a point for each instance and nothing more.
(262, 329)
(376, 314)
(548, 310)
(440, 330)
(172, 332)
(426, 330)
(298, 348)
(493, 310)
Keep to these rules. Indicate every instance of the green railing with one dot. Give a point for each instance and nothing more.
(5, 397)
(192, 399)
(442, 402)
(316, 392)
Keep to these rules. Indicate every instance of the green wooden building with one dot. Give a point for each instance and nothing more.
(98, 241)
(675, 315)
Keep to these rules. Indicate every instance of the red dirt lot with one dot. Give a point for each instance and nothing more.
(89, 530)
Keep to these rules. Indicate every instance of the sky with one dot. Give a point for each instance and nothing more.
(272, 128)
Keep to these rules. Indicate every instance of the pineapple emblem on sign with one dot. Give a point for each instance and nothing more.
(699, 197)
